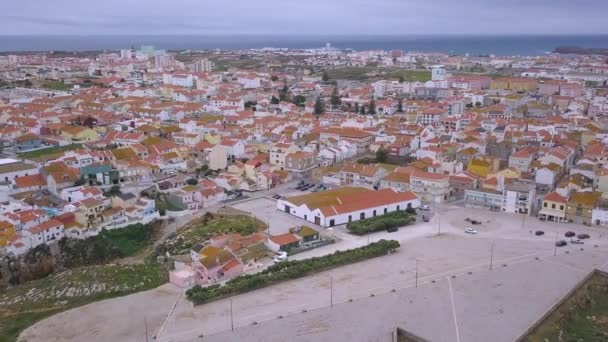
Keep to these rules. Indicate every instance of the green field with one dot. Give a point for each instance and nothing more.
(49, 153)
(367, 73)
(200, 230)
(23, 305)
(57, 85)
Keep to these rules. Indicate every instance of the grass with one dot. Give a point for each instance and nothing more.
(49, 153)
(200, 230)
(325, 198)
(23, 305)
(366, 73)
(57, 85)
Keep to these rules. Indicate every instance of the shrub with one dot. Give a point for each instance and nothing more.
(289, 270)
(393, 219)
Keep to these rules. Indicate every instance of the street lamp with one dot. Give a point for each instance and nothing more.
(416, 272)
(491, 255)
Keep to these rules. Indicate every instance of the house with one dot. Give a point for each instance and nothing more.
(45, 232)
(430, 187)
(284, 242)
(28, 141)
(361, 175)
(579, 208)
(300, 163)
(305, 234)
(483, 166)
(553, 207)
(213, 264)
(483, 198)
(7, 232)
(398, 181)
(548, 175)
(30, 183)
(519, 197)
(10, 169)
(523, 158)
(347, 204)
(279, 151)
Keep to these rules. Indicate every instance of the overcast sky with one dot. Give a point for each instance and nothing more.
(307, 17)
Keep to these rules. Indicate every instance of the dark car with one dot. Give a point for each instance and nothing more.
(425, 218)
(475, 222)
(570, 234)
(583, 236)
(561, 243)
(539, 233)
(392, 229)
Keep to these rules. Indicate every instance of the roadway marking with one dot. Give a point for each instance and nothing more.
(162, 327)
(454, 310)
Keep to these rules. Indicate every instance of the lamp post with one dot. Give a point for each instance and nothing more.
(555, 245)
(231, 317)
(331, 291)
(416, 272)
(491, 255)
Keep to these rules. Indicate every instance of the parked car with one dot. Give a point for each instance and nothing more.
(561, 243)
(539, 233)
(569, 234)
(280, 257)
(392, 229)
(583, 236)
(577, 242)
(424, 207)
(470, 231)
(425, 218)
(475, 222)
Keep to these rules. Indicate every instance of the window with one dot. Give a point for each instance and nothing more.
(374, 213)
(362, 216)
(545, 204)
(332, 222)
(398, 208)
(350, 218)
(385, 210)
(553, 206)
(561, 207)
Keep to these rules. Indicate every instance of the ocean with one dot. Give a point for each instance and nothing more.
(523, 45)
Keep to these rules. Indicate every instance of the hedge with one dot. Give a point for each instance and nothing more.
(288, 270)
(373, 224)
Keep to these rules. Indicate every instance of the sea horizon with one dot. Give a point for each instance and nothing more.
(458, 44)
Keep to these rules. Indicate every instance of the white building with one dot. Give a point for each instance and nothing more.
(519, 197)
(343, 205)
(179, 80)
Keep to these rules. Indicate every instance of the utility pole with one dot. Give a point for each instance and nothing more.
(416, 272)
(555, 245)
(231, 317)
(331, 291)
(146, 327)
(491, 255)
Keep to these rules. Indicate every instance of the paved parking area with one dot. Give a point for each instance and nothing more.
(442, 308)
(265, 209)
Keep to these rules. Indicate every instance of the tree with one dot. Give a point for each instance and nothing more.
(401, 79)
(477, 104)
(319, 107)
(335, 98)
(356, 107)
(284, 93)
(274, 78)
(192, 181)
(381, 156)
(325, 77)
(274, 100)
(372, 107)
(250, 104)
(299, 100)
(114, 191)
(362, 111)
(400, 106)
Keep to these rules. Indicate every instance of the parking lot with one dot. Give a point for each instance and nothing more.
(496, 274)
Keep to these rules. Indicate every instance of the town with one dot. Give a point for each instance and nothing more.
(228, 164)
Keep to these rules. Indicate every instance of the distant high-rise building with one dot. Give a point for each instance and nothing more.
(13, 59)
(203, 65)
(163, 61)
(126, 54)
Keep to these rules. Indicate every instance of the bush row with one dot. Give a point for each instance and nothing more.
(289, 270)
(373, 224)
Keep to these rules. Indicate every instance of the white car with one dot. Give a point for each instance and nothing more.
(425, 207)
(470, 231)
(280, 257)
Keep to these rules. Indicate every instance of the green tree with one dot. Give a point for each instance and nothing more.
(274, 100)
(192, 181)
(356, 110)
(362, 111)
(319, 107)
(325, 77)
(284, 93)
(335, 98)
(381, 156)
(400, 106)
(299, 100)
(274, 78)
(372, 107)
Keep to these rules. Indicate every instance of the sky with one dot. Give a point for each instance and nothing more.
(302, 17)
